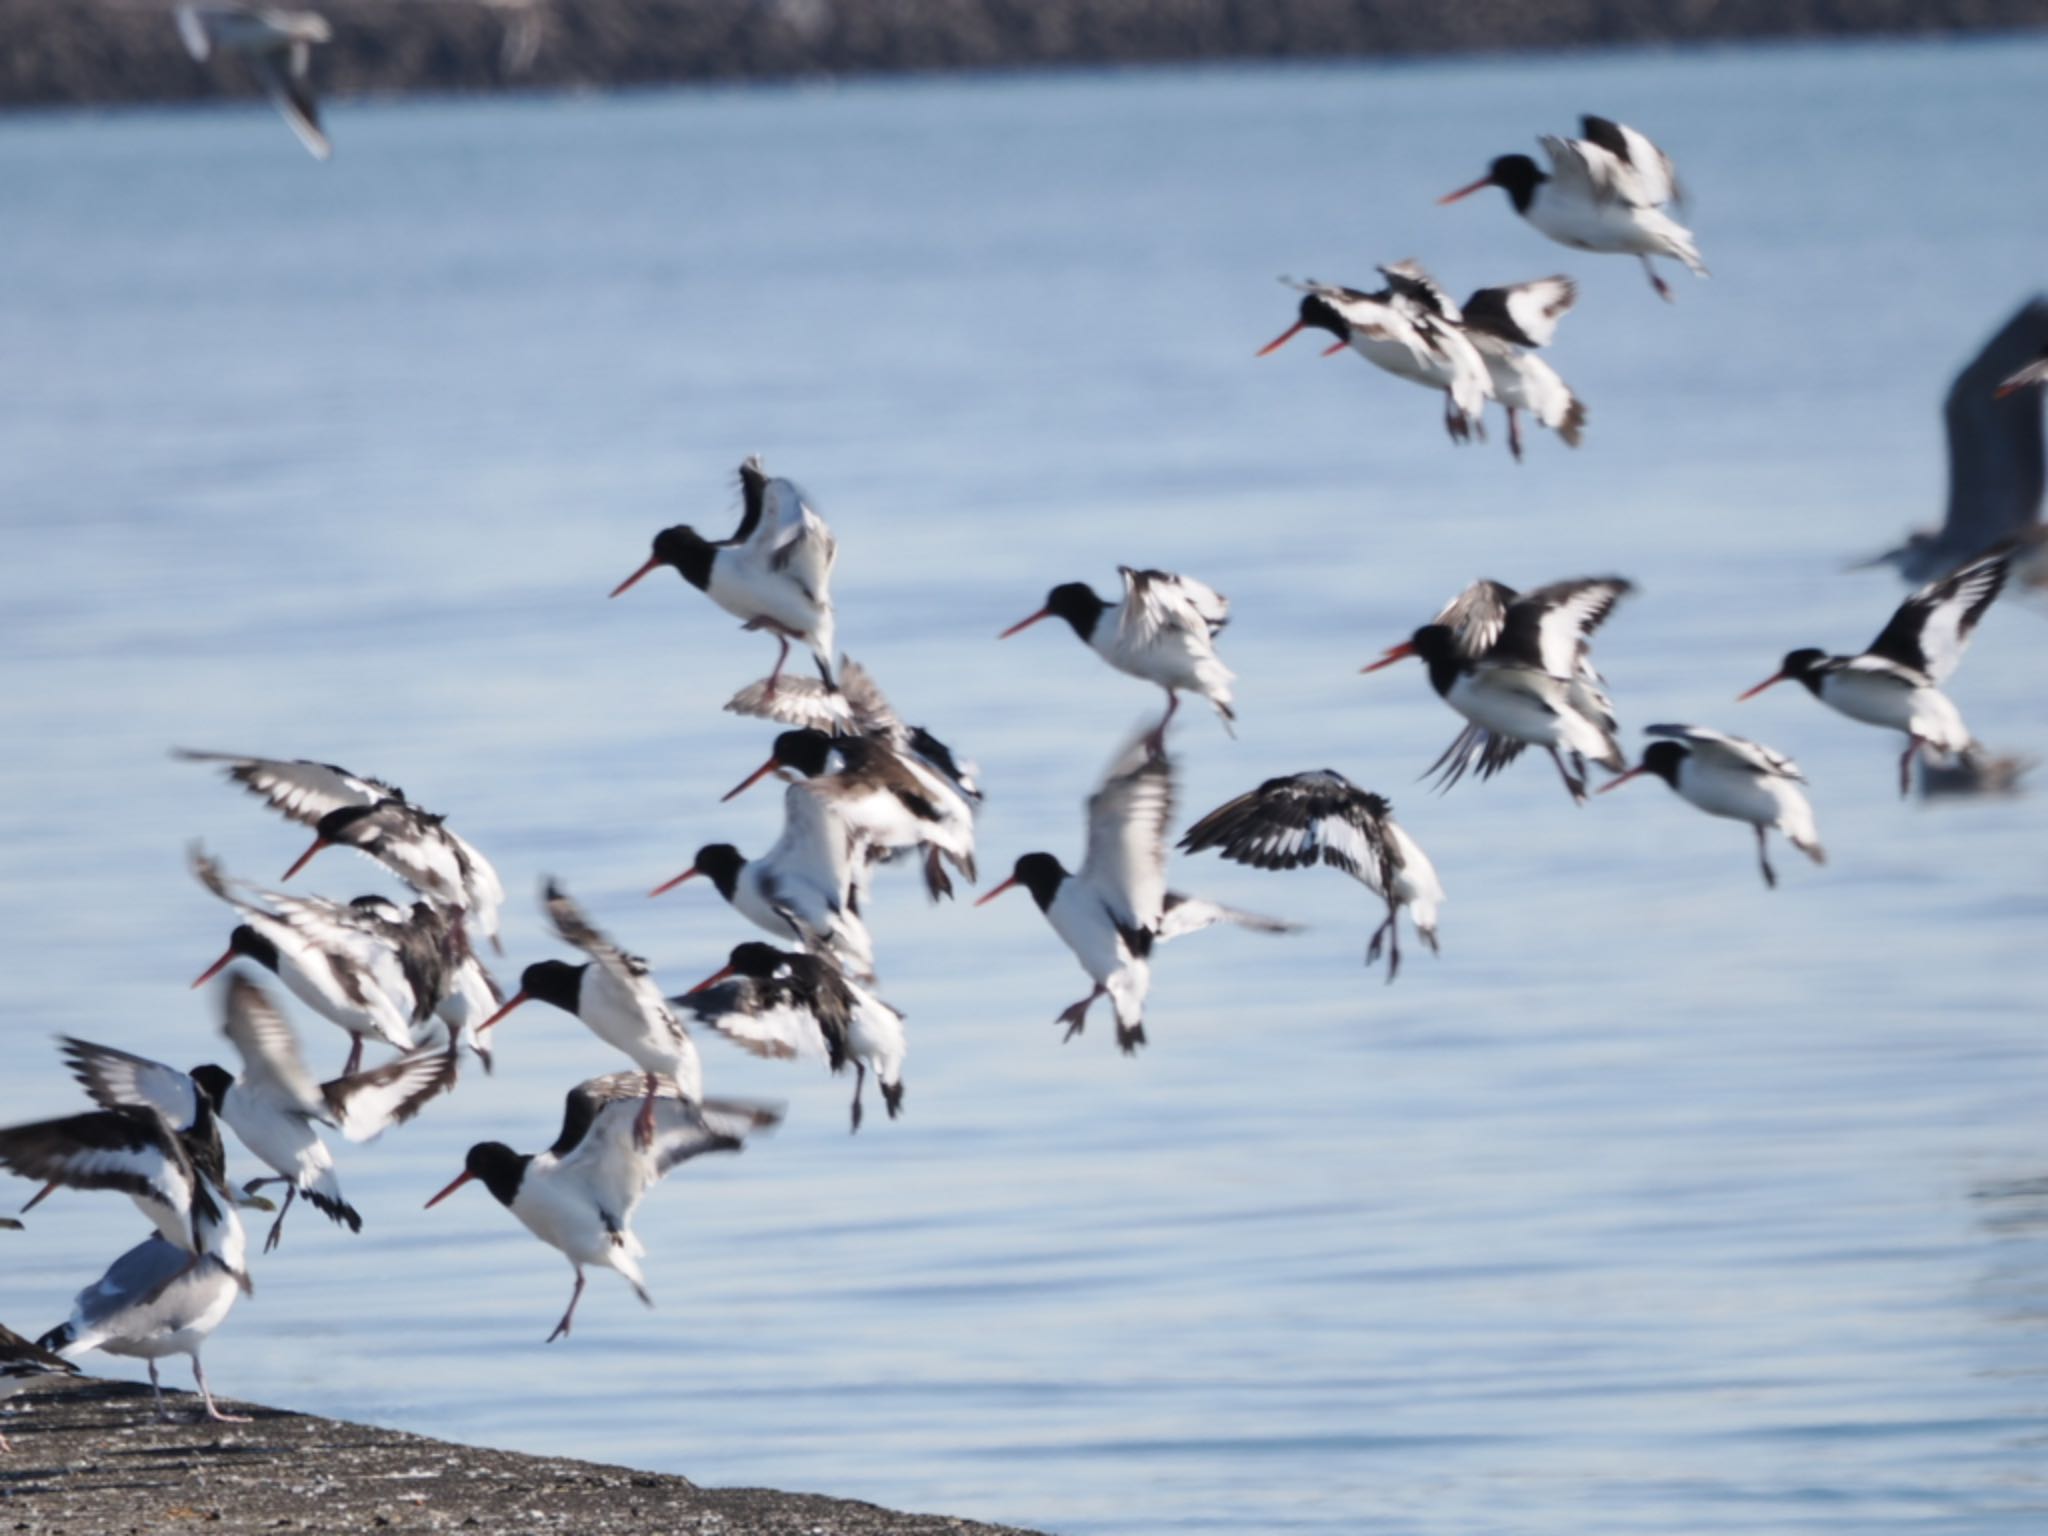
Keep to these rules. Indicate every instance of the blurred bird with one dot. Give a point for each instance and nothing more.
(1729, 776)
(774, 573)
(1506, 325)
(1604, 192)
(1116, 907)
(1163, 630)
(580, 1194)
(23, 1364)
(1896, 683)
(279, 47)
(1321, 816)
(773, 1003)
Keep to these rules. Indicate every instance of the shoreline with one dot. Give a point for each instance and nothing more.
(91, 1459)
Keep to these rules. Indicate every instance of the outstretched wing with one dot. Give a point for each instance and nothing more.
(763, 1018)
(1127, 821)
(1300, 820)
(1657, 180)
(271, 1063)
(285, 73)
(1585, 173)
(1731, 751)
(303, 791)
(1159, 602)
(579, 932)
(1932, 628)
(368, 1104)
(118, 1080)
(1544, 628)
(597, 1146)
(1411, 283)
(1525, 314)
(1189, 914)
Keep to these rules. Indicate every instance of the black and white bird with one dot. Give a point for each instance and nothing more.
(350, 811)
(775, 1003)
(1515, 667)
(1409, 328)
(579, 1196)
(1896, 683)
(774, 573)
(1604, 192)
(888, 801)
(23, 1365)
(617, 1000)
(279, 47)
(1163, 630)
(1997, 461)
(156, 1300)
(1507, 325)
(1322, 817)
(1729, 776)
(1115, 908)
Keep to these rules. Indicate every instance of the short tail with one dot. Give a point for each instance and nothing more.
(1129, 1037)
(892, 1096)
(335, 1209)
(1813, 851)
(1574, 424)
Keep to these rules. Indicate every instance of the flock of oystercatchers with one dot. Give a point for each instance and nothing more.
(863, 790)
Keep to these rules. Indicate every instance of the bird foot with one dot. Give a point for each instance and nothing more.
(1075, 1018)
(1129, 1039)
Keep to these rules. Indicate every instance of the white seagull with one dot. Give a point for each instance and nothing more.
(1116, 907)
(1164, 630)
(1729, 776)
(1322, 817)
(773, 1003)
(278, 45)
(774, 573)
(1605, 192)
(580, 1194)
(1896, 683)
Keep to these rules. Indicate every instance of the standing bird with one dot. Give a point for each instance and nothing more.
(617, 1000)
(1164, 631)
(774, 573)
(1405, 331)
(773, 1003)
(1507, 325)
(580, 1194)
(1896, 683)
(157, 1300)
(279, 47)
(1522, 680)
(1741, 780)
(1116, 907)
(376, 820)
(1605, 192)
(22, 1364)
(1322, 817)
(1997, 464)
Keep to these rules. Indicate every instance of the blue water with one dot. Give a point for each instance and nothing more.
(1658, 1203)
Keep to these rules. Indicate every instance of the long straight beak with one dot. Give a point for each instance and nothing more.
(1750, 693)
(668, 885)
(749, 781)
(1616, 783)
(712, 980)
(466, 1177)
(1281, 340)
(214, 969)
(307, 857)
(1452, 197)
(517, 999)
(1043, 613)
(992, 895)
(1395, 653)
(40, 1196)
(652, 562)
(1334, 348)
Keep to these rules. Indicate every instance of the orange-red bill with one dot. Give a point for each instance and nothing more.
(307, 857)
(1750, 693)
(1043, 613)
(1281, 340)
(668, 885)
(1616, 783)
(517, 999)
(649, 566)
(992, 895)
(466, 1177)
(1452, 197)
(214, 969)
(1395, 653)
(750, 780)
(712, 980)
(42, 1194)
(1334, 348)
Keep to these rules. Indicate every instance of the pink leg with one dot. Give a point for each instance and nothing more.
(562, 1328)
(1573, 787)
(1514, 434)
(1663, 288)
(782, 656)
(1906, 766)
(643, 1123)
(212, 1408)
(355, 1056)
(1076, 1017)
(1156, 742)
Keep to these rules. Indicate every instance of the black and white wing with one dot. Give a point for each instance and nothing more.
(1525, 314)
(1656, 177)
(271, 1063)
(1477, 615)
(120, 1080)
(579, 932)
(129, 1150)
(1584, 172)
(1410, 283)
(857, 707)
(1127, 820)
(793, 539)
(1300, 820)
(1183, 915)
(1158, 602)
(598, 1148)
(300, 790)
(1737, 752)
(22, 1361)
(762, 1017)
(1544, 628)
(286, 73)
(1932, 628)
(370, 1103)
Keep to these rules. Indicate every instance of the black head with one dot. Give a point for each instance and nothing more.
(688, 551)
(250, 944)
(1076, 602)
(805, 751)
(1804, 664)
(758, 960)
(1318, 313)
(214, 1082)
(1518, 176)
(554, 981)
(1437, 645)
(720, 863)
(1663, 758)
(497, 1167)
(347, 824)
(1040, 874)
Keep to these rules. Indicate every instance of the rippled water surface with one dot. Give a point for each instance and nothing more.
(1657, 1203)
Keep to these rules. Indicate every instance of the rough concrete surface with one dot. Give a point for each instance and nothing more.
(91, 1459)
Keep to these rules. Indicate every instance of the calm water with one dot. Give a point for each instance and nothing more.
(1657, 1204)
